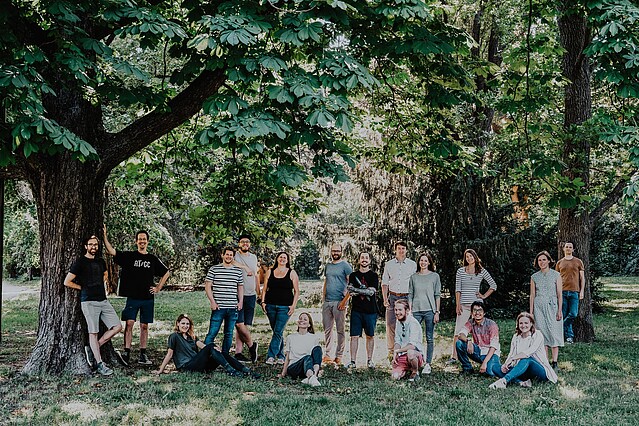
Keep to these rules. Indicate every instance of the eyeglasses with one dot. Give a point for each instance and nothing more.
(477, 311)
(245, 242)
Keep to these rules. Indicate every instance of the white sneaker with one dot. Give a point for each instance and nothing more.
(426, 369)
(370, 364)
(499, 384)
(270, 361)
(313, 381)
(305, 381)
(351, 366)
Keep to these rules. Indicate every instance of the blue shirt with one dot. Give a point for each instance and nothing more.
(336, 280)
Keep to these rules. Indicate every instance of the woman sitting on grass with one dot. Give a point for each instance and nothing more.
(527, 358)
(190, 354)
(303, 352)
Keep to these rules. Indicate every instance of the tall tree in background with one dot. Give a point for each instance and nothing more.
(599, 35)
(267, 77)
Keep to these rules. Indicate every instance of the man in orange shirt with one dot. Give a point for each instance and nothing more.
(574, 280)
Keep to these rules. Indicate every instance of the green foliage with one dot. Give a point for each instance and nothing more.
(21, 238)
(307, 263)
(615, 45)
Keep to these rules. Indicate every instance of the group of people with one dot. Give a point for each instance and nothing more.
(411, 293)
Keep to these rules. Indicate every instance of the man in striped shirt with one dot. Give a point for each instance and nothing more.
(224, 286)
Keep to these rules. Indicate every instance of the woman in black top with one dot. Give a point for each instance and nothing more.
(190, 354)
(281, 292)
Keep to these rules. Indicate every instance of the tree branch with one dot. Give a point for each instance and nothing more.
(155, 124)
(609, 200)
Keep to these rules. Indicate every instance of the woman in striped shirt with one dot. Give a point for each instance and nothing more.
(467, 282)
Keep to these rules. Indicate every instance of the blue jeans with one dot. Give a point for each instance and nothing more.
(493, 368)
(569, 310)
(526, 368)
(277, 318)
(229, 317)
(299, 368)
(428, 319)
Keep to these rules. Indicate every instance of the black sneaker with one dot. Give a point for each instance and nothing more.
(234, 373)
(88, 353)
(253, 352)
(123, 359)
(240, 357)
(144, 359)
(555, 366)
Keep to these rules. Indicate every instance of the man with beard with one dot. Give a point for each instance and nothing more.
(334, 307)
(362, 287)
(89, 275)
(408, 348)
(395, 280)
(138, 270)
(248, 261)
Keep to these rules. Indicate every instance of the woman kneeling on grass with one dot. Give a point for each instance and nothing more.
(303, 352)
(527, 358)
(190, 354)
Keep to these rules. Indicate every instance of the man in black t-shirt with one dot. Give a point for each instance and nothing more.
(137, 272)
(362, 286)
(88, 274)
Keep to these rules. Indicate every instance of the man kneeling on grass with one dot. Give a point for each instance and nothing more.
(408, 350)
(89, 275)
(484, 348)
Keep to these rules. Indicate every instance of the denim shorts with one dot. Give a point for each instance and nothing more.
(145, 306)
(361, 320)
(246, 315)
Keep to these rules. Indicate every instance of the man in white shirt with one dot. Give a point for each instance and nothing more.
(395, 278)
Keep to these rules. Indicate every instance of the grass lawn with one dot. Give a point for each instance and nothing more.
(598, 383)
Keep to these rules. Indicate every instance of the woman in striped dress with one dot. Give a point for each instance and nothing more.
(467, 281)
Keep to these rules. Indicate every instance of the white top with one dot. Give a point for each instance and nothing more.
(396, 274)
(299, 345)
(533, 346)
(249, 260)
(409, 332)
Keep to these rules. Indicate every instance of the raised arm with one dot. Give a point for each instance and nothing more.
(107, 244)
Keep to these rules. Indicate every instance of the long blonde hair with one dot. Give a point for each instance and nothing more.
(532, 323)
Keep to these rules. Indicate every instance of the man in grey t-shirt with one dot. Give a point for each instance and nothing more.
(335, 298)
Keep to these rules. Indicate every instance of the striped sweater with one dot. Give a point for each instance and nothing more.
(468, 285)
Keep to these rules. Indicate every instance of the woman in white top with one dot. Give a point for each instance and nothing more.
(303, 352)
(527, 358)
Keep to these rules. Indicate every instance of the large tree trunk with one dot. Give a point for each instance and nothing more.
(61, 186)
(574, 223)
